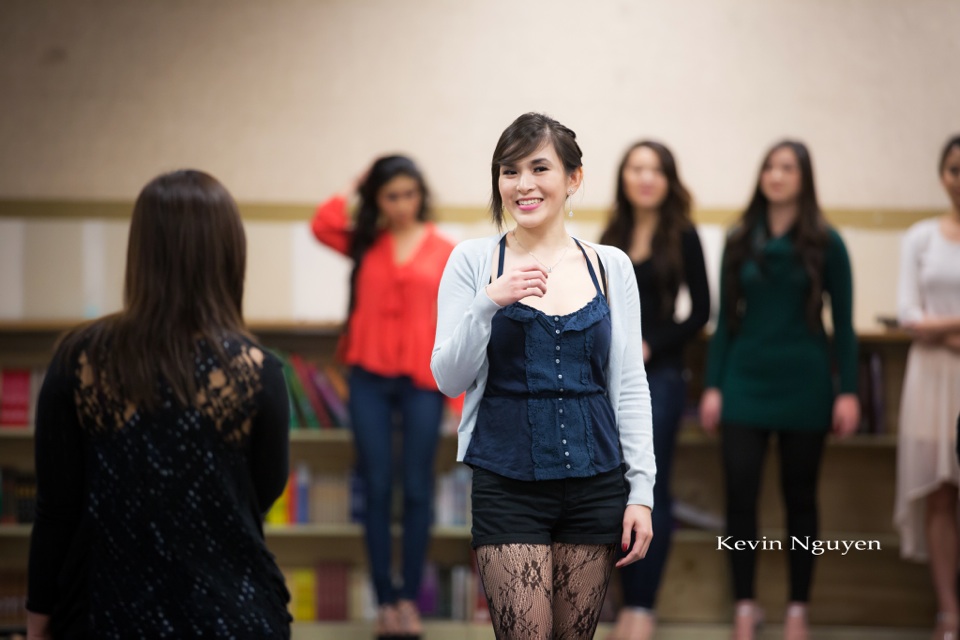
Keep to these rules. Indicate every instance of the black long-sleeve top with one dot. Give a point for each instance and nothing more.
(149, 522)
(664, 335)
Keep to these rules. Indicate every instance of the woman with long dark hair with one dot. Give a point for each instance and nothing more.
(651, 223)
(927, 471)
(542, 332)
(161, 439)
(398, 259)
(770, 363)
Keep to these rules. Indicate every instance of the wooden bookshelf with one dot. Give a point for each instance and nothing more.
(856, 501)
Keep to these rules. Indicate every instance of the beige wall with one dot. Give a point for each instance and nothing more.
(285, 100)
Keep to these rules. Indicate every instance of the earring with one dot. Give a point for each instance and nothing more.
(570, 193)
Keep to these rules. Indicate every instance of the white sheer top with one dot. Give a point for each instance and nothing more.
(929, 274)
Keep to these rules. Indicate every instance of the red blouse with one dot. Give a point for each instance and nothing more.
(394, 321)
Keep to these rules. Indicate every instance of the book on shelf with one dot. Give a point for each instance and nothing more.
(18, 496)
(13, 598)
(328, 591)
(318, 393)
(453, 593)
(308, 417)
(452, 497)
(319, 498)
(333, 591)
(870, 392)
(310, 391)
(335, 403)
(15, 397)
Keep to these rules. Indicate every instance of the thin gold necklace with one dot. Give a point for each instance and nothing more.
(544, 264)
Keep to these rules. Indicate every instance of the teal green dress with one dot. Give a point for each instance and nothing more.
(776, 372)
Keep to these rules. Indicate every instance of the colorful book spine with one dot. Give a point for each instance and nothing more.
(15, 397)
(310, 391)
(336, 405)
(299, 397)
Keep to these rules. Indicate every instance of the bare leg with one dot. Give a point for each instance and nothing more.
(581, 573)
(517, 579)
(943, 542)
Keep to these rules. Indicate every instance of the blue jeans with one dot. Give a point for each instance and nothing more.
(376, 404)
(641, 580)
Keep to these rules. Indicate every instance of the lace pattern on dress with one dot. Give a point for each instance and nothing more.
(223, 393)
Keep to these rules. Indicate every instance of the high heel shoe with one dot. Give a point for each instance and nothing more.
(795, 623)
(946, 628)
(411, 627)
(747, 620)
(634, 623)
(388, 623)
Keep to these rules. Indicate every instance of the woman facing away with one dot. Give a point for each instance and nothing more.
(769, 367)
(927, 471)
(543, 333)
(652, 209)
(398, 258)
(161, 439)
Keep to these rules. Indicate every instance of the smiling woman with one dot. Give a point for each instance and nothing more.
(542, 331)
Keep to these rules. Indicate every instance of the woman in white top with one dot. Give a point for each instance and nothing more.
(927, 470)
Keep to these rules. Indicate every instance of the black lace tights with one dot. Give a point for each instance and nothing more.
(544, 592)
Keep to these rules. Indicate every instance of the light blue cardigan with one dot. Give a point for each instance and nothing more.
(459, 360)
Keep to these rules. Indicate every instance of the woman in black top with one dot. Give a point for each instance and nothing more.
(651, 223)
(161, 438)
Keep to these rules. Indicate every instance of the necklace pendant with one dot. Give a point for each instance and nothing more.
(549, 269)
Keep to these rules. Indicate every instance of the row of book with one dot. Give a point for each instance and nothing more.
(337, 498)
(870, 390)
(19, 390)
(318, 393)
(18, 496)
(337, 591)
(13, 598)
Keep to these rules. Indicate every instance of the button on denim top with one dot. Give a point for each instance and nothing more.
(545, 414)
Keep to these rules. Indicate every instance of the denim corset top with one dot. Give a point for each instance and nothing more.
(545, 414)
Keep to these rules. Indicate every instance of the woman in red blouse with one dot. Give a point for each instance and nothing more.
(398, 258)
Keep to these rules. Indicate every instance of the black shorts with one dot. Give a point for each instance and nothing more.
(572, 511)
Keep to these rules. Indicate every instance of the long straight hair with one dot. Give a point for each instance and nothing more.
(667, 258)
(186, 261)
(368, 224)
(809, 235)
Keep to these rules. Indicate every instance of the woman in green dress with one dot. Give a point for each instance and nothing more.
(770, 368)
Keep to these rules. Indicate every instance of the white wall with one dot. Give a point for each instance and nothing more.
(286, 100)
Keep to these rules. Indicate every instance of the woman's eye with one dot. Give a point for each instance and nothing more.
(507, 172)
(539, 169)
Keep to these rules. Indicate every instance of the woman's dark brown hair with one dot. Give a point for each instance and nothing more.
(367, 226)
(186, 261)
(947, 148)
(667, 258)
(526, 134)
(809, 235)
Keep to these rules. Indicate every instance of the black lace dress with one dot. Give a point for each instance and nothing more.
(149, 522)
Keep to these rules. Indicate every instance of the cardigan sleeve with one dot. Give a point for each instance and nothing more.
(909, 298)
(464, 315)
(270, 436)
(634, 415)
(673, 335)
(60, 486)
(838, 282)
(331, 225)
